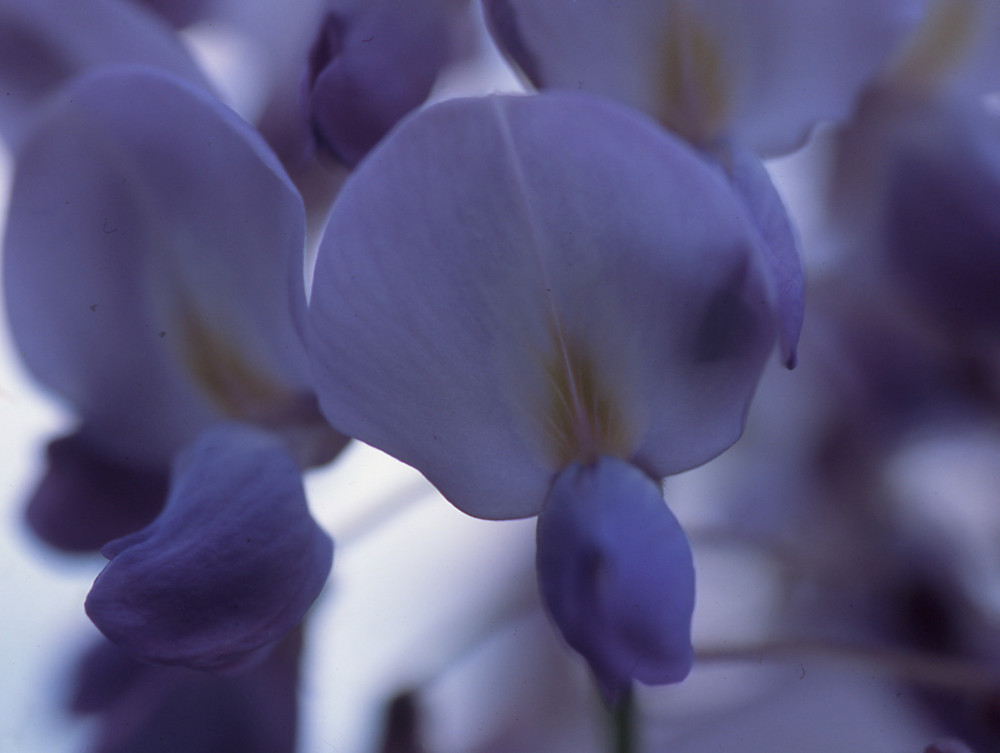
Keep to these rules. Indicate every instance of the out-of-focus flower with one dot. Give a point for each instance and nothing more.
(153, 278)
(916, 173)
(45, 43)
(942, 229)
(370, 65)
(759, 74)
(152, 267)
(143, 708)
(86, 499)
(530, 329)
(948, 745)
(955, 50)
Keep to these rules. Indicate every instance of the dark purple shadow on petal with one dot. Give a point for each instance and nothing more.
(85, 500)
(179, 13)
(616, 575)
(367, 71)
(729, 327)
(143, 708)
(233, 563)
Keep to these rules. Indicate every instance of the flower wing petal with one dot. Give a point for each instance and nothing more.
(230, 566)
(779, 247)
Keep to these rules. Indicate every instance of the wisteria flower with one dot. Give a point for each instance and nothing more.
(143, 708)
(362, 67)
(916, 176)
(546, 305)
(738, 80)
(45, 43)
(370, 65)
(759, 74)
(152, 273)
(954, 50)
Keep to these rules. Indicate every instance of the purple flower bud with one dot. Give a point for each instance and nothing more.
(369, 67)
(616, 574)
(143, 708)
(230, 566)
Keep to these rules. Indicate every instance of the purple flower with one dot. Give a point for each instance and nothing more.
(616, 572)
(371, 64)
(152, 265)
(760, 74)
(546, 304)
(942, 231)
(918, 185)
(955, 49)
(153, 272)
(179, 13)
(45, 43)
(734, 79)
(143, 708)
(231, 564)
(86, 499)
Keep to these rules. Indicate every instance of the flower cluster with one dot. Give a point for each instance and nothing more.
(548, 303)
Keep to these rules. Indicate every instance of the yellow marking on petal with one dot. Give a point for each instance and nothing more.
(232, 383)
(696, 89)
(582, 417)
(938, 47)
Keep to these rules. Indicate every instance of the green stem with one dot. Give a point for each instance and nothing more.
(623, 732)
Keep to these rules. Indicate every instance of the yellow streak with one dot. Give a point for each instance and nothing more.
(938, 47)
(232, 383)
(696, 89)
(581, 414)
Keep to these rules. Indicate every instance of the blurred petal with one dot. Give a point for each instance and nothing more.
(955, 51)
(948, 745)
(230, 566)
(142, 708)
(507, 285)
(44, 43)
(85, 499)
(779, 247)
(813, 59)
(179, 13)
(149, 264)
(942, 227)
(760, 73)
(617, 575)
(371, 67)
